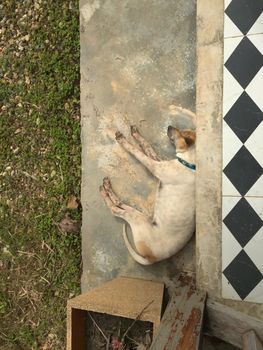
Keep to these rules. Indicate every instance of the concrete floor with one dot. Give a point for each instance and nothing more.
(137, 58)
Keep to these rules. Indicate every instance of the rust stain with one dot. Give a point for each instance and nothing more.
(176, 320)
(189, 331)
(191, 291)
(186, 280)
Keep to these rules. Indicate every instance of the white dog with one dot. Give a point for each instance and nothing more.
(173, 222)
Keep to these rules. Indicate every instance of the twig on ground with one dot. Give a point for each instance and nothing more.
(95, 323)
(132, 340)
(108, 344)
(45, 245)
(134, 321)
(44, 279)
(28, 175)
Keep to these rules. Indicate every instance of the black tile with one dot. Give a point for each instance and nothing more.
(244, 13)
(243, 274)
(245, 62)
(243, 170)
(244, 117)
(243, 222)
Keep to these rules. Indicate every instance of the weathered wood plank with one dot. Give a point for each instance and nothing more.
(229, 325)
(181, 324)
(251, 341)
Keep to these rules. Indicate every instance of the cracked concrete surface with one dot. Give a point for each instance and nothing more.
(137, 59)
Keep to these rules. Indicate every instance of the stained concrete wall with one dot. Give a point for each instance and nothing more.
(137, 58)
(209, 88)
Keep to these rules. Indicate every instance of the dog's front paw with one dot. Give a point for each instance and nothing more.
(106, 183)
(119, 136)
(134, 130)
(102, 189)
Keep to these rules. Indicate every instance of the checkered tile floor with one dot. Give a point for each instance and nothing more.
(242, 236)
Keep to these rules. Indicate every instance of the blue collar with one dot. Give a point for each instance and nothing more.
(185, 163)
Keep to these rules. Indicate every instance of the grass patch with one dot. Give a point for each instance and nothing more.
(39, 170)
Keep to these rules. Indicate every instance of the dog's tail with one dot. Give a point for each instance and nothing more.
(141, 260)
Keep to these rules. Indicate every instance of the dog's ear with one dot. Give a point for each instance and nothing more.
(189, 136)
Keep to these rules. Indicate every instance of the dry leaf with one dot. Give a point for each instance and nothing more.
(69, 225)
(72, 203)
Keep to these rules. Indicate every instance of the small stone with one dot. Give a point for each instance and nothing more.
(27, 80)
(18, 131)
(6, 250)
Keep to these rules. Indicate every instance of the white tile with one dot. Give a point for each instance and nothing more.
(228, 292)
(257, 204)
(229, 46)
(230, 247)
(228, 189)
(257, 26)
(257, 40)
(227, 2)
(231, 144)
(228, 204)
(230, 29)
(254, 89)
(231, 91)
(255, 144)
(254, 249)
(256, 189)
(256, 295)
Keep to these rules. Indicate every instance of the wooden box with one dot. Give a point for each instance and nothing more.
(123, 297)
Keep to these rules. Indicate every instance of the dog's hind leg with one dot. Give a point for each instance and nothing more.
(140, 224)
(117, 207)
(107, 186)
(145, 145)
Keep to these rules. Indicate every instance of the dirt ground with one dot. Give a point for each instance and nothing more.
(111, 332)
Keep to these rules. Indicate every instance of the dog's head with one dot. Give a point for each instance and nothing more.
(182, 139)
